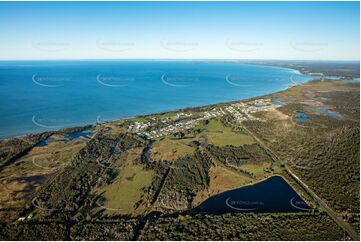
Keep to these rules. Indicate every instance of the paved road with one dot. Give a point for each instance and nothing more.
(342, 223)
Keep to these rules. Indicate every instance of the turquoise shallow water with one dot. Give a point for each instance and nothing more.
(36, 96)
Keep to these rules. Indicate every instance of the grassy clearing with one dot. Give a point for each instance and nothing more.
(223, 179)
(122, 195)
(258, 170)
(171, 148)
(220, 135)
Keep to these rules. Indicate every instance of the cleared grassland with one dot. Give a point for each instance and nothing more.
(123, 194)
(223, 178)
(171, 148)
(220, 135)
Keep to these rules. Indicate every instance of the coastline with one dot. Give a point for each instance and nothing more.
(82, 126)
(298, 188)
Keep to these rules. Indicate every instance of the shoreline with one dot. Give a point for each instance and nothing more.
(64, 129)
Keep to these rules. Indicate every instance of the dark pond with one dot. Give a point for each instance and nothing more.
(77, 135)
(85, 133)
(50, 140)
(42, 143)
(269, 196)
(301, 116)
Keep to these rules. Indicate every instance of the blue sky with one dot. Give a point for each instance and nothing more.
(180, 30)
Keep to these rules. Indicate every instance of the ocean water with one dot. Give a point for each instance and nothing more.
(36, 96)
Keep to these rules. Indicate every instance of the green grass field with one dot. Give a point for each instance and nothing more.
(171, 148)
(126, 190)
(220, 135)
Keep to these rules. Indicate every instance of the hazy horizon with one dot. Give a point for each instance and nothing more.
(178, 59)
(319, 31)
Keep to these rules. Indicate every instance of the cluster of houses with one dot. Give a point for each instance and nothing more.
(170, 129)
(182, 121)
(138, 126)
